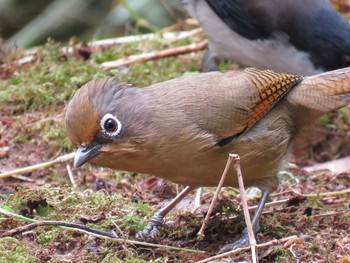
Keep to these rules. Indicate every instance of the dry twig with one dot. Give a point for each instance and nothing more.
(232, 158)
(318, 195)
(173, 36)
(200, 234)
(154, 55)
(110, 42)
(31, 168)
(248, 222)
(70, 174)
(287, 240)
(81, 229)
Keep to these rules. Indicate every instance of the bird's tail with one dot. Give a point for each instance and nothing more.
(323, 92)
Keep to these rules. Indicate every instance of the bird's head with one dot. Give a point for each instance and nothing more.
(102, 120)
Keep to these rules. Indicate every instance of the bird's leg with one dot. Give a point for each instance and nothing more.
(244, 240)
(152, 228)
(210, 62)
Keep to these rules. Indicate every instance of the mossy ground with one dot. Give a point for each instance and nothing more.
(33, 97)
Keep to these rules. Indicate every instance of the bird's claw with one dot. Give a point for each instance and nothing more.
(148, 233)
(210, 62)
(242, 242)
(151, 231)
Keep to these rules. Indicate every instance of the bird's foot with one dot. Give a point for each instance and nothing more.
(151, 231)
(210, 62)
(242, 242)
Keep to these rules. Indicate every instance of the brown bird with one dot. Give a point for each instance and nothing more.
(183, 129)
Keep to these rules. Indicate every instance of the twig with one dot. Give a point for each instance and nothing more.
(81, 229)
(154, 55)
(327, 214)
(197, 199)
(286, 209)
(23, 178)
(10, 214)
(110, 42)
(296, 240)
(27, 169)
(342, 192)
(70, 174)
(121, 233)
(56, 117)
(232, 158)
(280, 202)
(248, 222)
(281, 193)
(293, 253)
(200, 234)
(262, 245)
(66, 225)
(269, 204)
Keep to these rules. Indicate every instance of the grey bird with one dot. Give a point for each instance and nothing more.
(301, 37)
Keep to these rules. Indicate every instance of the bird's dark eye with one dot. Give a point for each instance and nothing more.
(110, 125)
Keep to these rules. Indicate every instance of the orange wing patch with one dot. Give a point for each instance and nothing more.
(271, 87)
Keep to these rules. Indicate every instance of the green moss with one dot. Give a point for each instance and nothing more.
(279, 254)
(56, 176)
(51, 80)
(54, 134)
(45, 237)
(21, 138)
(326, 121)
(13, 250)
(113, 258)
(65, 203)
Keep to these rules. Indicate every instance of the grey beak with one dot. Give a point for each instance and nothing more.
(84, 154)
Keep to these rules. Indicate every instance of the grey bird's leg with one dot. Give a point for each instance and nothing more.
(244, 240)
(210, 62)
(152, 228)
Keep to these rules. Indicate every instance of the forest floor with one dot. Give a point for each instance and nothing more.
(35, 87)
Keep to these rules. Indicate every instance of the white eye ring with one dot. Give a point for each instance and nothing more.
(118, 128)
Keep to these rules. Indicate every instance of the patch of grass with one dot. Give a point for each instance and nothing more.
(56, 176)
(274, 226)
(146, 73)
(278, 254)
(21, 138)
(67, 204)
(64, 203)
(13, 250)
(47, 236)
(54, 134)
(113, 258)
(51, 80)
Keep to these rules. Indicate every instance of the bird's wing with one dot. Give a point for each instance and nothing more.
(222, 104)
(261, 91)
